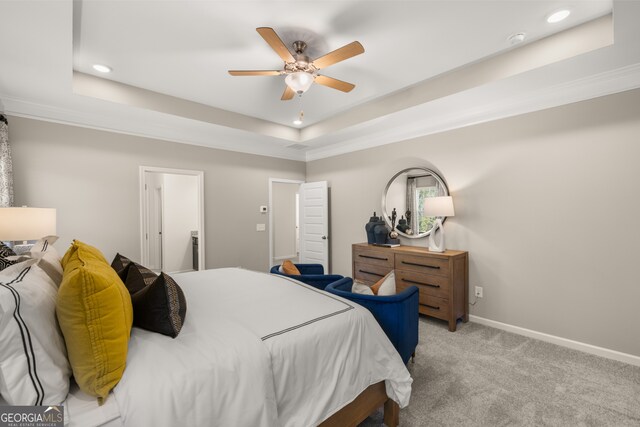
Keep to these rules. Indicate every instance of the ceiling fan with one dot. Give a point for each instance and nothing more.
(299, 69)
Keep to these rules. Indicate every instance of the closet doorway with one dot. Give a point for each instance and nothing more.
(172, 219)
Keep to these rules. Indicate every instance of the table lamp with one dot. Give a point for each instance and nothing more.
(438, 207)
(24, 224)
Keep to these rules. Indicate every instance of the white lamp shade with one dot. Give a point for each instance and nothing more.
(439, 206)
(299, 82)
(26, 223)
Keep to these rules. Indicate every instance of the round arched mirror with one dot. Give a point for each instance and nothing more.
(406, 192)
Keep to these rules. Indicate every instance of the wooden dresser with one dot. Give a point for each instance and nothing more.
(441, 278)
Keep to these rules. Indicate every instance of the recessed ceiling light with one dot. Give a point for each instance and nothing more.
(558, 16)
(517, 38)
(297, 122)
(102, 68)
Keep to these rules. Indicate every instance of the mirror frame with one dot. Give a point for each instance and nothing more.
(386, 189)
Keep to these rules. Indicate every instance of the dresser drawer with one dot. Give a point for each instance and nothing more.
(428, 284)
(422, 264)
(434, 306)
(378, 257)
(369, 273)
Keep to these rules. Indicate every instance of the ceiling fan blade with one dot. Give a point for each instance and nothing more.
(334, 83)
(254, 72)
(345, 52)
(270, 36)
(288, 94)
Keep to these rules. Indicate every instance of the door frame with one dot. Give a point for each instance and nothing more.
(270, 210)
(144, 250)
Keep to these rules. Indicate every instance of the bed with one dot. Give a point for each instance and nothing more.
(255, 350)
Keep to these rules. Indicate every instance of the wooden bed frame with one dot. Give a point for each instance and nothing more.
(364, 405)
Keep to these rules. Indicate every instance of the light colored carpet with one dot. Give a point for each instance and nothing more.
(481, 376)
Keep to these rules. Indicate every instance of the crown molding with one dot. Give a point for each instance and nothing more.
(185, 133)
(390, 129)
(606, 83)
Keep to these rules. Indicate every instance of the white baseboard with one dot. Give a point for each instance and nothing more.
(564, 342)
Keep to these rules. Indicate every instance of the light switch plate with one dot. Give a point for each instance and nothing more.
(260, 227)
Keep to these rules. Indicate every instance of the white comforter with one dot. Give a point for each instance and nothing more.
(256, 350)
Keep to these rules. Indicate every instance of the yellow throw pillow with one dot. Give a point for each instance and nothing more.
(290, 268)
(95, 314)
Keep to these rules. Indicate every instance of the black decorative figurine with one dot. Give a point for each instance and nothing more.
(393, 217)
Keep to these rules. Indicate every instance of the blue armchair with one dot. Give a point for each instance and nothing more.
(311, 274)
(396, 314)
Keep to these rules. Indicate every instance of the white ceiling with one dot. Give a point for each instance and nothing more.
(184, 49)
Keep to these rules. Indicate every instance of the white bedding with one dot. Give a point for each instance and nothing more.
(256, 350)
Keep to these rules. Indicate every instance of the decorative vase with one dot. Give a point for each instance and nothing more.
(402, 225)
(381, 233)
(373, 221)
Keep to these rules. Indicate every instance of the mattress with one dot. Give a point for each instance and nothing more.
(82, 410)
(255, 350)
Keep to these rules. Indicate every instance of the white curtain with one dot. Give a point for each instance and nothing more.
(412, 204)
(6, 169)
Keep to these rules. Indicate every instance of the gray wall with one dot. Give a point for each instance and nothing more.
(92, 177)
(283, 209)
(546, 204)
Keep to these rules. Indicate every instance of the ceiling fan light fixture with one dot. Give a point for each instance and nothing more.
(299, 81)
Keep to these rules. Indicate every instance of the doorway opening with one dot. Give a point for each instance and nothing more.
(298, 222)
(284, 220)
(172, 219)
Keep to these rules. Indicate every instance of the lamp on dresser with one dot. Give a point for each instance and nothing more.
(438, 207)
(20, 225)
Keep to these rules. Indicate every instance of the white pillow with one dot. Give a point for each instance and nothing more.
(388, 286)
(47, 256)
(34, 369)
(360, 288)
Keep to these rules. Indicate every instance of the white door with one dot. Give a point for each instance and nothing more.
(314, 224)
(154, 241)
(157, 232)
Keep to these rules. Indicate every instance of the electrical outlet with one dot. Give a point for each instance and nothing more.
(479, 291)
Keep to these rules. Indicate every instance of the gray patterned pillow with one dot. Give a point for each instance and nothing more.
(5, 251)
(158, 302)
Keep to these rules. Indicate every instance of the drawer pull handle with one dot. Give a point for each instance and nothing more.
(373, 257)
(371, 272)
(420, 283)
(435, 267)
(433, 307)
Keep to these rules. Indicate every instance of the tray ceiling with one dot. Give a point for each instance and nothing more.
(428, 66)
